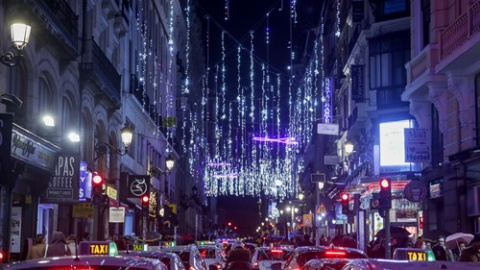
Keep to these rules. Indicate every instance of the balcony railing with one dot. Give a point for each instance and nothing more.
(390, 97)
(457, 33)
(60, 20)
(97, 66)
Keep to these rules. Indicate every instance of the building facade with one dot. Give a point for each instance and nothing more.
(96, 67)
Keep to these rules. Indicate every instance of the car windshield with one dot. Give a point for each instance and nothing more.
(328, 254)
(207, 253)
(273, 254)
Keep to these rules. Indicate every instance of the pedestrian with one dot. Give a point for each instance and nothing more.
(71, 242)
(472, 253)
(58, 246)
(441, 251)
(37, 250)
(86, 236)
(306, 241)
(420, 243)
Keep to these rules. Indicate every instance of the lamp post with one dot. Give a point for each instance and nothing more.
(20, 35)
(169, 165)
(100, 150)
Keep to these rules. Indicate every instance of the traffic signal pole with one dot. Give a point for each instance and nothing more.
(387, 235)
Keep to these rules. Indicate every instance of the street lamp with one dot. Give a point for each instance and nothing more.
(127, 136)
(348, 147)
(20, 34)
(169, 164)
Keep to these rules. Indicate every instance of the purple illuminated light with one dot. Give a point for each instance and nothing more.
(277, 140)
(218, 164)
(223, 176)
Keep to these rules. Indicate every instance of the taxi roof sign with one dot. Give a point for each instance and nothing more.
(202, 243)
(138, 247)
(107, 248)
(167, 243)
(413, 254)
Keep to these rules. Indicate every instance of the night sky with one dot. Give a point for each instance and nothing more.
(244, 16)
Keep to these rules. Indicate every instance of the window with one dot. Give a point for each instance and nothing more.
(44, 98)
(426, 22)
(388, 55)
(437, 138)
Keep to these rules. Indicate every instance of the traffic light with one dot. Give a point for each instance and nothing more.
(229, 223)
(385, 194)
(97, 185)
(345, 203)
(145, 204)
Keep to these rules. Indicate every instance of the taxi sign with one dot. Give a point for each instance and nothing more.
(202, 243)
(413, 254)
(107, 248)
(167, 243)
(138, 247)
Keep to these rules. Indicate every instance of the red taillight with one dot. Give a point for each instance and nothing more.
(255, 264)
(335, 253)
(276, 251)
(219, 266)
(1, 255)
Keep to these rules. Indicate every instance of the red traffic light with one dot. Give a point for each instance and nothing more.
(97, 179)
(229, 223)
(145, 199)
(384, 183)
(344, 197)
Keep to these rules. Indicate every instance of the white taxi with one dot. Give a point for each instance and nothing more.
(213, 255)
(189, 254)
(301, 255)
(383, 264)
(88, 262)
(171, 260)
(264, 257)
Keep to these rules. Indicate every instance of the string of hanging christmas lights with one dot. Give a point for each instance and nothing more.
(256, 167)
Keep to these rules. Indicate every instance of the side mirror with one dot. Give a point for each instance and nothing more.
(276, 266)
(212, 267)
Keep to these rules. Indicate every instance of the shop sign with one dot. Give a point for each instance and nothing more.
(415, 191)
(63, 184)
(327, 129)
(82, 210)
(406, 215)
(112, 192)
(358, 85)
(117, 215)
(417, 145)
(435, 190)
(84, 185)
(15, 229)
(27, 148)
(138, 185)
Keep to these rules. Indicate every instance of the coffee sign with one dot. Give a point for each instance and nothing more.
(63, 184)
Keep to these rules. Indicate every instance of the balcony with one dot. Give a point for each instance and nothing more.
(96, 68)
(137, 89)
(59, 20)
(357, 117)
(459, 41)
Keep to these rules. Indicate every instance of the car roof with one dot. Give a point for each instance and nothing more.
(185, 248)
(409, 265)
(153, 253)
(301, 250)
(87, 260)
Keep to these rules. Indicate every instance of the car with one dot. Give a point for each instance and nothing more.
(264, 257)
(381, 264)
(170, 259)
(88, 262)
(301, 255)
(213, 255)
(189, 254)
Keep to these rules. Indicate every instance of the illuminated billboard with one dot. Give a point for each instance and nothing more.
(392, 143)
